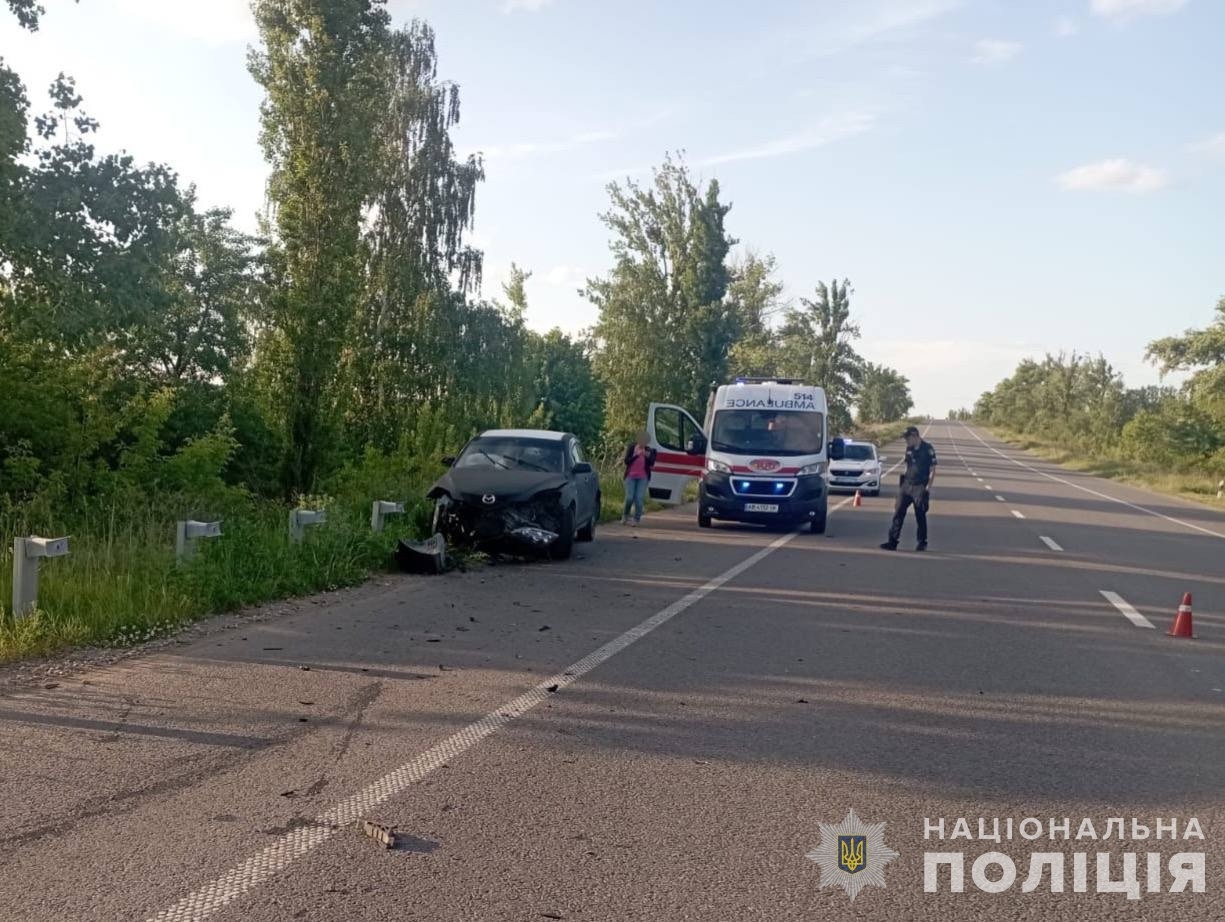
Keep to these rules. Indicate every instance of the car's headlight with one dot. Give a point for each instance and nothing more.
(718, 467)
(808, 469)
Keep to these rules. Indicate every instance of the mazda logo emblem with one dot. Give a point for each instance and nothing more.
(489, 499)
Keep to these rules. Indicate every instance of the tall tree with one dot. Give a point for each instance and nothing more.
(568, 394)
(815, 344)
(756, 295)
(665, 328)
(1201, 352)
(323, 67)
(884, 395)
(424, 201)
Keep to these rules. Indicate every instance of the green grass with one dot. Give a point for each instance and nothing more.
(120, 583)
(1196, 486)
(883, 433)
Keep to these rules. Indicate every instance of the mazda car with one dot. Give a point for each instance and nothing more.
(518, 491)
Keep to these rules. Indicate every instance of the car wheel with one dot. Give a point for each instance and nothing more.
(703, 519)
(563, 547)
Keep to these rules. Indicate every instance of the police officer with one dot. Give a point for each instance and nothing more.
(915, 489)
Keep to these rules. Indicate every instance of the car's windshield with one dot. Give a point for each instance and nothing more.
(860, 453)
(513, 454)
(768, 432)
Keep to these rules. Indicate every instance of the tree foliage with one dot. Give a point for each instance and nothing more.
(666, 328)
(815, 345)
(884, 395)
(322, 68)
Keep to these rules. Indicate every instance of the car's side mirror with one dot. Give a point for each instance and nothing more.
(837, 450)
(697, 445)
(582, 467)
(448, 461)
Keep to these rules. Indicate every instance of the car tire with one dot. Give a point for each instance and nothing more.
(703, 519)
(819, 522)
(563, 547)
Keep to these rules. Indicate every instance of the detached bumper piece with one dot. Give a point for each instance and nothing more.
(427, 557)
(533, 537)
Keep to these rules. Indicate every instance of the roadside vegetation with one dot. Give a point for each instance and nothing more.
(157, 363)
(1075, 410)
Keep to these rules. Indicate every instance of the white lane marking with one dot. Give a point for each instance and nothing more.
(262, 866)
(1051, 543)
(1000, 498)
(1019, 515)
(979, 479)
(987, 486)
(1100, 495)
(275, 858)
(1126, 609)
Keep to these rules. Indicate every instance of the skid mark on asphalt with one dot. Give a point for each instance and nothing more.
(1126, 610)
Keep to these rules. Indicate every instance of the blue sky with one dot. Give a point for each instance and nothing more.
(997, 179)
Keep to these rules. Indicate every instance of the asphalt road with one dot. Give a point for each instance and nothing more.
(718, 696)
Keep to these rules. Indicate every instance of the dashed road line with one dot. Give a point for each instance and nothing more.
(266, 864)
(1051, 543)
(1000, 498)
(1018, 513)
(1092, 492)
(1126, 610)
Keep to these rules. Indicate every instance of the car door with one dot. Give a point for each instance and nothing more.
(587, 483)
(680, 446)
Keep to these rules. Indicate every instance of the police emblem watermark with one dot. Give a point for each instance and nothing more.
(852, 855)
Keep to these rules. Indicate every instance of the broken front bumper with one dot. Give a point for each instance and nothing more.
(528, 526)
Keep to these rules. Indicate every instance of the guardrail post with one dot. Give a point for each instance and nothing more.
(379, 510)
(27, 552)
(186, 535)
(299, 519)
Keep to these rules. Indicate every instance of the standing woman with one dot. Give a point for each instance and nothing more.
(639, 459)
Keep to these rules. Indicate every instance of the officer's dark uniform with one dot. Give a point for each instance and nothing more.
(913, 491)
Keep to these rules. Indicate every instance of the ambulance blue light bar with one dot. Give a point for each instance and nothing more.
(748, 380)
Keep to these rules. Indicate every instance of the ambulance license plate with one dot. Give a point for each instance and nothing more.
(761, 507)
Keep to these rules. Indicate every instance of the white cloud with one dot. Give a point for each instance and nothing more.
(834, 29)
(1117, 175)
(1066, 27)
(994, 51)
(1123, 10)
(1213, 146)
(525, 6)
(223, 21)
(948, 373)
(565, 277)
(829, 130)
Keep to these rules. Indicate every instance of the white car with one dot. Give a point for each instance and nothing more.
(859, 468)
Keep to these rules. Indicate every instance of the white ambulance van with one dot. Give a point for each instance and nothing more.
(761, 456)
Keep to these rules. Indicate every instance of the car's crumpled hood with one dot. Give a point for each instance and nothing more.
(513, 486)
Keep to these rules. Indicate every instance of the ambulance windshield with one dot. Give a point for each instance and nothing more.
(768, 432)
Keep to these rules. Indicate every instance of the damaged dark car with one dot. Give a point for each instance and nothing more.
(518, 491)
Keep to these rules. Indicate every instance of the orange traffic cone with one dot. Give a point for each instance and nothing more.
(1182, 621)
(858, 500)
